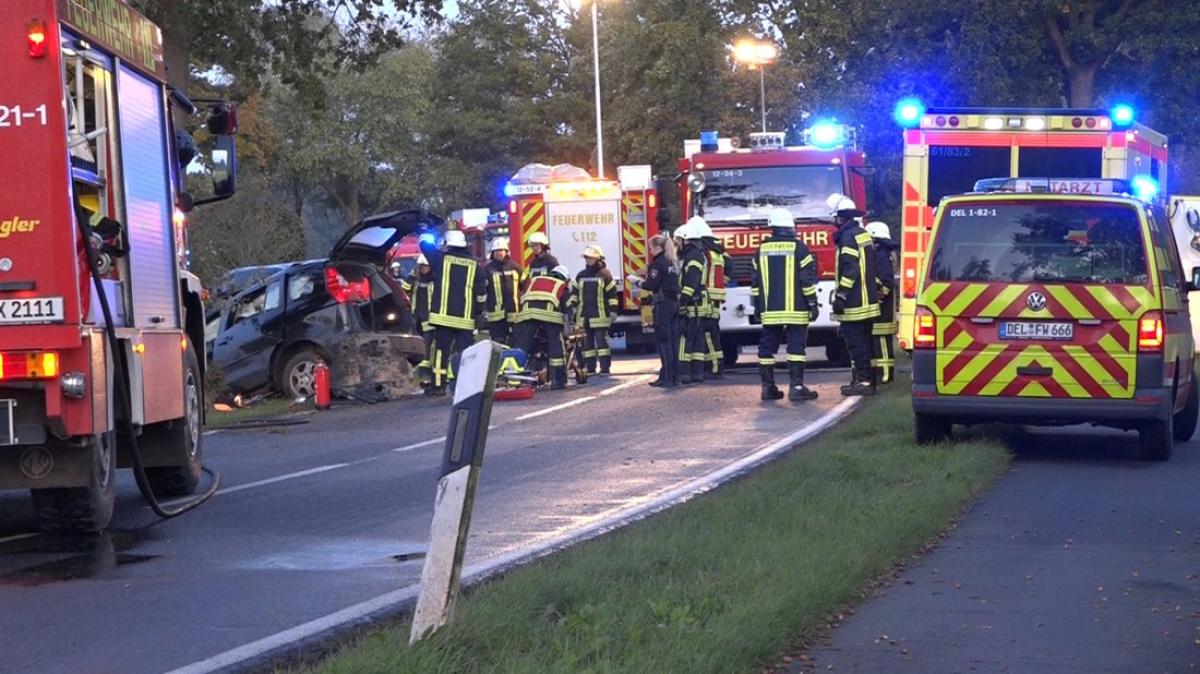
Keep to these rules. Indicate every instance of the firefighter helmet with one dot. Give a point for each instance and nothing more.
(538, 237)
(562, 271)
(593, 251)
(846, 208)
(422, 260)
(879, 230)
(693, 229)
(501, 243)
(456, 239)
(781, 218)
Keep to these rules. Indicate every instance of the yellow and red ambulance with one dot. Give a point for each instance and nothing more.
(946, 150)
(1051, 302)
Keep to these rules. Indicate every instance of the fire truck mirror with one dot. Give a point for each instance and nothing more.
(186, 202)
(1195, 284)
(223, 119)
(224, 166)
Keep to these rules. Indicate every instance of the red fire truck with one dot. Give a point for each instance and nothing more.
(946, 150)
(100, 323)
(575, 211)
(734, 187)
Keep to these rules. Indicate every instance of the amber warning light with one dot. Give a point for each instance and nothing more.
(37, 39)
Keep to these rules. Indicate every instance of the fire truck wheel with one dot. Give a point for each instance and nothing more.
(83, 509)
(731, 353)
(1185, 419)
(181, 438)
(296, 378)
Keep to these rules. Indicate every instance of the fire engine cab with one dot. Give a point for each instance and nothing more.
(575, 211)
(733, 188)
(947, 150)
(100, 322)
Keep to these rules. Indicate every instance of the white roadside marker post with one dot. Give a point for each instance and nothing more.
(463, 456)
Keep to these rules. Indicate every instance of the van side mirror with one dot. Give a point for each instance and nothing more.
(1194, 284)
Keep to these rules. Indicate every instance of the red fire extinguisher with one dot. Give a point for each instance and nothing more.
(323, 395)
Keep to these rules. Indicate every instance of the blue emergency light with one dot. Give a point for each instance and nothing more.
(1144, 187)
(908, 112)
(1123, 115)
(826, 135)
(709, 141)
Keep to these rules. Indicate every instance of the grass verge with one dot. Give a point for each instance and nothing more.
(271, 407)
(723, 583)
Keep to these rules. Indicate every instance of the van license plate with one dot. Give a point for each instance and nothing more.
(32, 310)
(1036, 330)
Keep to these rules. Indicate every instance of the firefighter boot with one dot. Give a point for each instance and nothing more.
(605, 364)
(861, 386)
(769, 390)
(558, 378)
(798, 391)
(698, 367)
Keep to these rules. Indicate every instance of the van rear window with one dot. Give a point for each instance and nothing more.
(1043, 241)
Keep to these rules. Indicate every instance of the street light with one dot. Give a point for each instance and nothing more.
(596, 70)
(757, 54)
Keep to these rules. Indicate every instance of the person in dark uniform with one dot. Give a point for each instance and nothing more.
(419, 288)
(885, 327)
(543, 261)
(594, 300)
(662, 281)
(856, 299)
(543, 309)
(456, 305)
(715, 275)
(693, 302)
(785, 297)
(503, 292)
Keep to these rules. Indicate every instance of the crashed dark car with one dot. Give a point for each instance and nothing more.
(348, 312)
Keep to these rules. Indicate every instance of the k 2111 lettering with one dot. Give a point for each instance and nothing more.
(15, 116)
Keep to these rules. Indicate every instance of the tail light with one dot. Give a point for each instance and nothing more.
(908, 284)
(512, 207)
(925, 335)
(652, 201)
(343, 291)
(1150, 332)
(30, 365)
(37, 39)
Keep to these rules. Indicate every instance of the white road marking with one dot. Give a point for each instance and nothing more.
(620, 387)
(490, 567)
(418, 445)
(281, 478)
(555, 408)
(18, 537)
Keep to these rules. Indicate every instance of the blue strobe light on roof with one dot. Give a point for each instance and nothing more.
(1144, 187)
(1123, 115)
(908, 112)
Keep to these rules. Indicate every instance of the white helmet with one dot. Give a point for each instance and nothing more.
(422, 260)
(879, 230)
(538, 237)
(693, 229)
(845, 207)
(500, 243)
(562, 271)
(702, 227)
(593, 251)
(780, 218)
(832, 201)
(456, 239)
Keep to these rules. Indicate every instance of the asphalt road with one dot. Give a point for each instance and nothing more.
(314, 518)
(1082, 559)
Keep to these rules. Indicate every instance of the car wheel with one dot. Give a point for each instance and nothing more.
(298, 374)
(1156, 439)
(1185, 419)
(928, 429)
(83, 509)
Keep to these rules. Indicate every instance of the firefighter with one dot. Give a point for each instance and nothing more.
(419, 288)
(503, 291)
(543, 261)
(693, 302)
(785, 297)
(543, 309)
(716, 257)
(594, 301)
(856, 299)
(884, 328)
(456, 306)
(662, 281)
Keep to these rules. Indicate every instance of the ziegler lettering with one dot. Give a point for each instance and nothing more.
(17, 226)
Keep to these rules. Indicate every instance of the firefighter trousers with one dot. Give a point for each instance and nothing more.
(883, 357)
(712, 343)
(595, 347)
(857, 335)
(424, 368)
(501, 331)
(692, 354)
(772, 337)
(666, 340)
(447, 342)
(527, 334)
